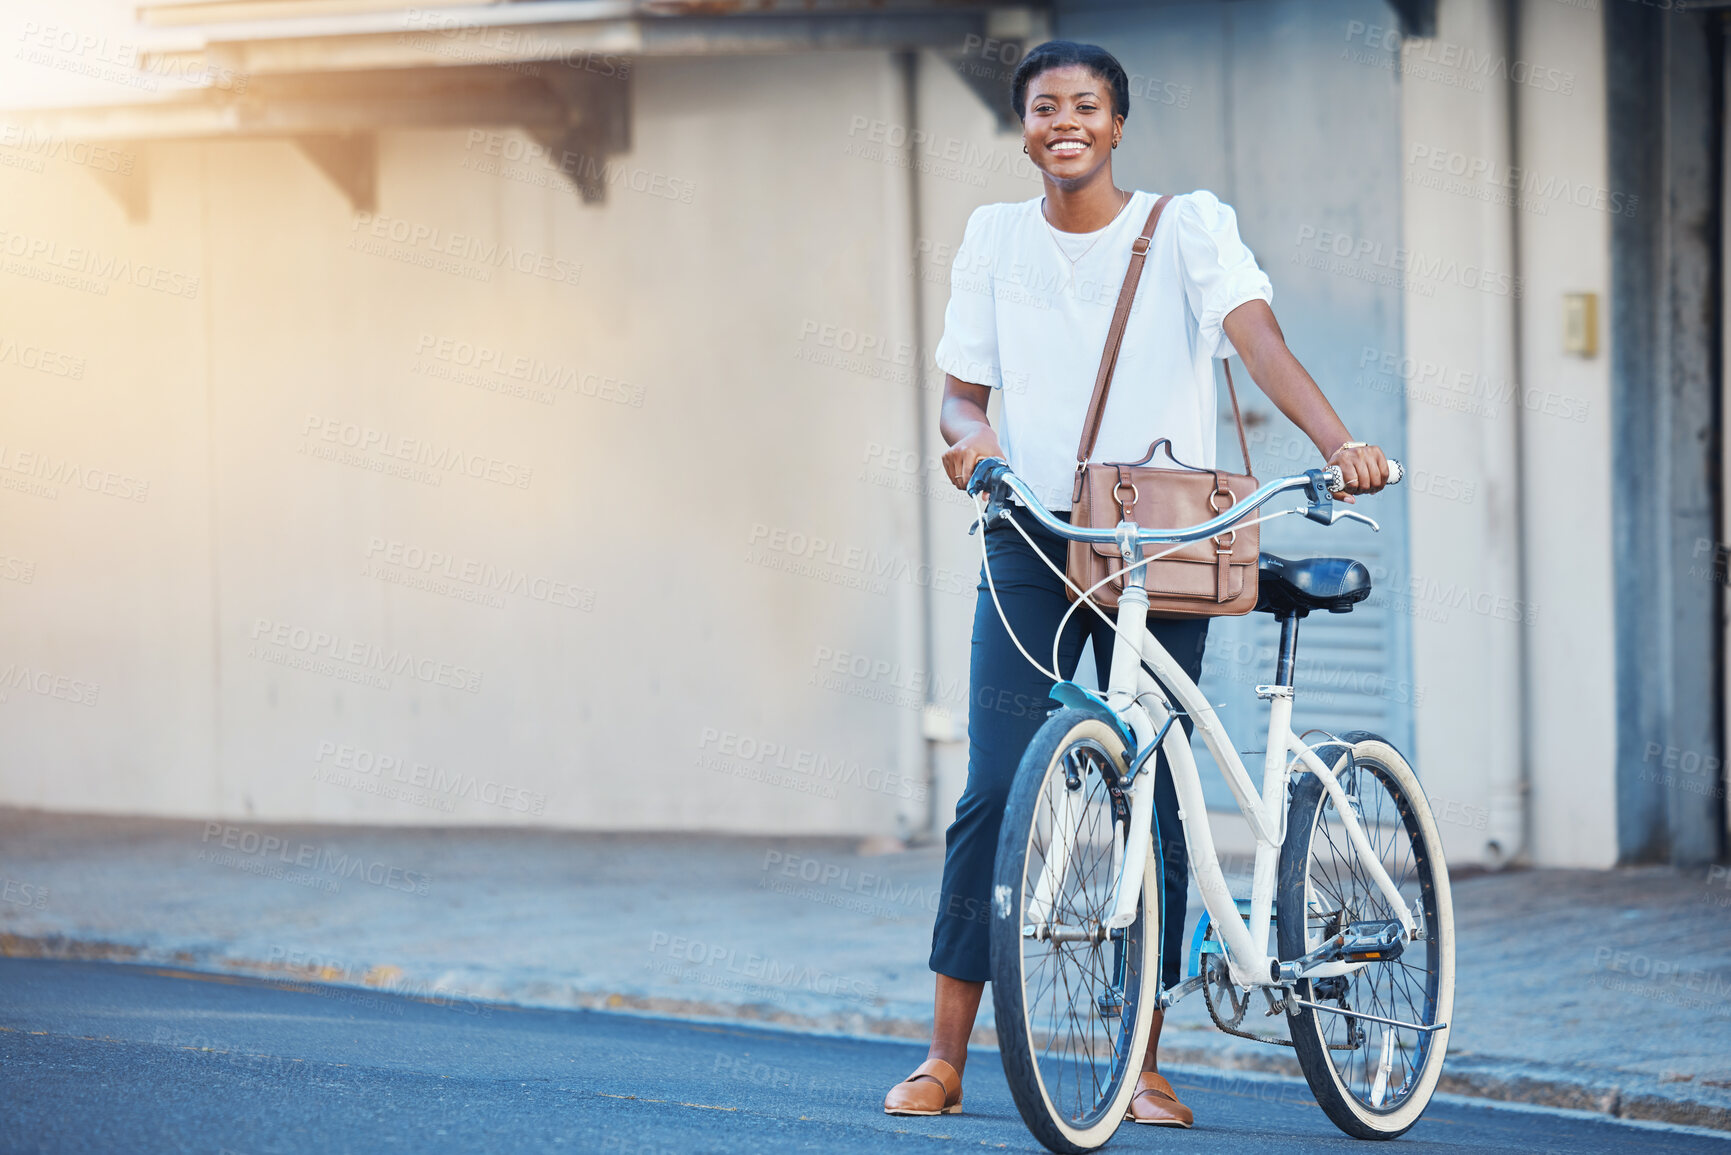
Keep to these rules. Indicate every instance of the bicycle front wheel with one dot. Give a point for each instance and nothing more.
(1373, 1078)
(1074, 998)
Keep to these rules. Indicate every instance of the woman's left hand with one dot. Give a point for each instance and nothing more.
(1363, 469)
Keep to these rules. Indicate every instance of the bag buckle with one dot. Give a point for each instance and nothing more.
(1230, 535)
(1135, 496)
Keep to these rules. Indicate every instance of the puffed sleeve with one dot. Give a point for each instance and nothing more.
(968, 349)
(1220, 272)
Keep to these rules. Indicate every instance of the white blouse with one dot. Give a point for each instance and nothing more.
(1028, 313)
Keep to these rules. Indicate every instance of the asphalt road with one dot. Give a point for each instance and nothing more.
(137, 1059)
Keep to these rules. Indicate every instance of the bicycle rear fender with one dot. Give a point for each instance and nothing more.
(1080, 698)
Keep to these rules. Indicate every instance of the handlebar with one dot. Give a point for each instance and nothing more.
(993, 475)
(1336, 482)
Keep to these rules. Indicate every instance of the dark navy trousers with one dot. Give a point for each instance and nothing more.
(1008, 702)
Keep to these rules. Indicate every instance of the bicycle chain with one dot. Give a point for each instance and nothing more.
(1246, 1034)
(1254, 1038)
(1214, 1013)
(1209, 1001)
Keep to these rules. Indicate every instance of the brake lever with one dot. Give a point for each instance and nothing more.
(989, 472)
(1334, 516)
(1319, 488)
(997, 509)
(1325, 483)
(1325, 512)
(1340, 515)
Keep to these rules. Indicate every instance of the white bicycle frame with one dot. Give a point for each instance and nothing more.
(1128, 689)
(1142, 704)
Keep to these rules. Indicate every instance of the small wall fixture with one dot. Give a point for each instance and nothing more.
(1581, 324)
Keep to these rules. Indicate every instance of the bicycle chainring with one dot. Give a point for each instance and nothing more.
(1226, 1003)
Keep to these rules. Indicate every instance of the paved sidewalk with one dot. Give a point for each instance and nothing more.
(1606, 991)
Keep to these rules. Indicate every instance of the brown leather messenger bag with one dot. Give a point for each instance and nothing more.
(1212, 578)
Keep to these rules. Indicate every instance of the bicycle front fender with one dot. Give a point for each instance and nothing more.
(1081, 698)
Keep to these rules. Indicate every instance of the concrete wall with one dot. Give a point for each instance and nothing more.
(718, 538)
(679, 530)
(1460, 345)
(1522, 667)
(1563, 226)
(995, 170)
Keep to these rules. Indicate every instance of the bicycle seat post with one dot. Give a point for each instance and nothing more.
(1283, 669)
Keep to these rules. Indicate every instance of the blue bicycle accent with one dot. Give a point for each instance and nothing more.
(1198, 947)
(1079, 697)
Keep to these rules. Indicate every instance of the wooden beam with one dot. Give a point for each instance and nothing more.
(169, 13)
(507, 34)
(320, 106)
(582, 118)
(409, 49)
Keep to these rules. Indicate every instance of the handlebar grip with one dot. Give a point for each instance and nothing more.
(1396, 471)
(988, 471)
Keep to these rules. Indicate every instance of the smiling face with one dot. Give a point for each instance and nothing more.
(1069, 124)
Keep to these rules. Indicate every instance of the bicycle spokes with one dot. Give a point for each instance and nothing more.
(1081, 981)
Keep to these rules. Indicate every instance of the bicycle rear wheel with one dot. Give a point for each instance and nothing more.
(1074, 1000)
(1373, 1080)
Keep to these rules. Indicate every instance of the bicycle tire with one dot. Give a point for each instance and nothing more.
(1062, 1113)
(1313, 901)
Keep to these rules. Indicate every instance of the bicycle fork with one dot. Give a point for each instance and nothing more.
(1126, 673)
(1131, 858)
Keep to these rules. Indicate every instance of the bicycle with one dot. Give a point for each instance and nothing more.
(1348, 868)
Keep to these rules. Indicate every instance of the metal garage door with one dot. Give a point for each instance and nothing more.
(1263, 102)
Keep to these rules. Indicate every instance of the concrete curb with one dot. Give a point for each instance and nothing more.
(1617, 1094)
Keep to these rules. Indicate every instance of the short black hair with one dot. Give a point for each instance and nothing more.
(1061, 54)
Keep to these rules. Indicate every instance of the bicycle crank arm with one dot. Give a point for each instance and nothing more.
(1189, 986)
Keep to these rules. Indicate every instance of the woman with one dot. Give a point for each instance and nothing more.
(1032, 293)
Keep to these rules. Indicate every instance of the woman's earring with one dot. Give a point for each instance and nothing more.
(1026, 153)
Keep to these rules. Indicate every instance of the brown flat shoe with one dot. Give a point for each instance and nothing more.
(1155, 1104)
(933, 1089)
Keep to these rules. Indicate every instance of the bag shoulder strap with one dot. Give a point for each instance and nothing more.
(1115, 340)
(1238, 418)
(1115, 334)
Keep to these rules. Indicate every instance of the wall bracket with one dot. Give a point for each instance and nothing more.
(596, 125)
(130, 188)
(350, 160)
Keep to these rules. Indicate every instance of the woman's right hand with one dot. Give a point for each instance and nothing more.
(969, 451)
(1363, 469)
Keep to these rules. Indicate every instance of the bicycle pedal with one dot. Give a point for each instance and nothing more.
(1110, 1004)
(1378, 940)
(1374, 941)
